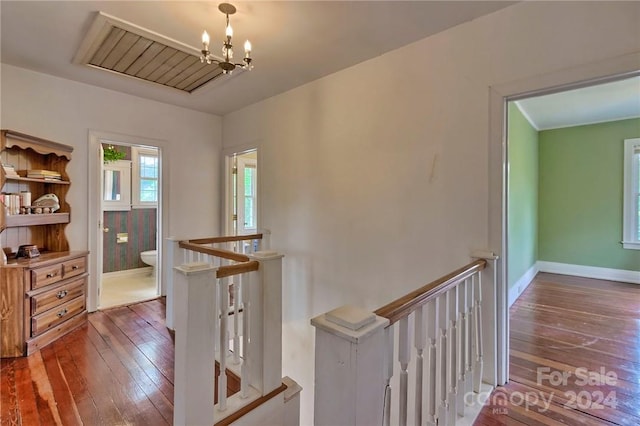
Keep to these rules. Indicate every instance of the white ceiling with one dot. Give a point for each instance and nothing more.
(294, 42)
(594, 104)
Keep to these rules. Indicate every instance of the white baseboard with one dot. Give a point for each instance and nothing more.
(523, 282)
(590, 272)
(129, 272)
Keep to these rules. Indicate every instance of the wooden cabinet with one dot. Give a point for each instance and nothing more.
(44, 297)
(41, 299)
(25, 152)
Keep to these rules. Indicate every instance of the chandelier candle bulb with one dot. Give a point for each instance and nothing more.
(247, 48)
(229, 31)
(205, 40)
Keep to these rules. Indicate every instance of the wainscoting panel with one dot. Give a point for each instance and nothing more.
(140, 224)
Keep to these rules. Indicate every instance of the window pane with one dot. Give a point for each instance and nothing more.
(148, 190)
(148, 166)
(248, 213)
(248, 181)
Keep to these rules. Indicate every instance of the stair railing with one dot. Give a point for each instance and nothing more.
(417, 360)
(226, 304)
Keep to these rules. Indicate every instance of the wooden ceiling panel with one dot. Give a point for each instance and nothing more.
(145, 57)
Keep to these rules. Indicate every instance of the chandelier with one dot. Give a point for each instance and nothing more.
(227, 47)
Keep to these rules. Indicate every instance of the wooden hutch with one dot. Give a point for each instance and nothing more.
(43, 297)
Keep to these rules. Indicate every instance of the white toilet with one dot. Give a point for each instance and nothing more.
(150, 257)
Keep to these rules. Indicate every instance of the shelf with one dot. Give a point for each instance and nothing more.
(36, 219)
(24, 179)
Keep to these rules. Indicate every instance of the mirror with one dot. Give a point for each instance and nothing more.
(116, 185)
(112, 182)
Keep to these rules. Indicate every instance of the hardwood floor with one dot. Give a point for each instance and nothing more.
(575, 355)
(118, 369)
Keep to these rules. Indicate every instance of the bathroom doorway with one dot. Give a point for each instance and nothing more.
(126, 243)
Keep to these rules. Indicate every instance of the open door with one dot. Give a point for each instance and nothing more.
(242, 193)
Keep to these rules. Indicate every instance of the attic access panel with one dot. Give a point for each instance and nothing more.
(126, 49)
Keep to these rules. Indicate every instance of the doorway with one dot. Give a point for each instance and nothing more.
(125, 220)
(242, 201)
(578, 77)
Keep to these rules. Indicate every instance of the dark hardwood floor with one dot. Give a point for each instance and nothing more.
(117, 369)
(575, 355)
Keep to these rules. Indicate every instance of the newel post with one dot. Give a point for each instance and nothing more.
(174, 257)
(195, 319)
(349, 367)
(266, 316)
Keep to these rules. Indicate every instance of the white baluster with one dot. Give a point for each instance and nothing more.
(470, 333)
(477, 376)
(404, 356)
(246, 320)
(388, 373)
(419, 343)
(462, 344)
(441, 367)
(236, 319)
(224, 343)
(432, 334)
(452, 372)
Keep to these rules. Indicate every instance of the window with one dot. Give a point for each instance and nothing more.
(145, 177)
(631, 221)
(250, 197)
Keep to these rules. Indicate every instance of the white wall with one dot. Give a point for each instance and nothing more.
(65, 111)
(375, 180)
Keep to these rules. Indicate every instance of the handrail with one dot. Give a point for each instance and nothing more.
(227, 239)
(406, 304)
(238, 268)
(251, 406)
(225, 254)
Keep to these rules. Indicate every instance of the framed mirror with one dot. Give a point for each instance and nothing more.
(116, 187)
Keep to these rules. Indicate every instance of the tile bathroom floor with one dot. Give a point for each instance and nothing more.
(125, 290)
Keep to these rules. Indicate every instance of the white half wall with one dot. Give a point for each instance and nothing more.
(375, 180)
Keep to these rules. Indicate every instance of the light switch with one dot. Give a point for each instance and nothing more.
(122, 238)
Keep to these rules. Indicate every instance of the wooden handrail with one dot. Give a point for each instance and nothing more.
(238, 268)
(403, 306)
(213, 240)
(225, 254)
(251, 406)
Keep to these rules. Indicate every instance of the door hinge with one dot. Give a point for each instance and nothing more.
(235, 217)
(234, 171)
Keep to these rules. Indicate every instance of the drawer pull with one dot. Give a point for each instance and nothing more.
(74, 267)
(62, 313)
(61, 294)
(52, 275)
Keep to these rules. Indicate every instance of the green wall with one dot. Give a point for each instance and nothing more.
(580, 201)
(522, 195)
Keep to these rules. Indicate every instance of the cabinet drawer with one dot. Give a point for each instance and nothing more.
(47, 320)
(74, 267)
(50, 299)
(41, 277)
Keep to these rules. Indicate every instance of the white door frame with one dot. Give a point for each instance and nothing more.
(94, 205)
(227, 164)
(585, 75)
